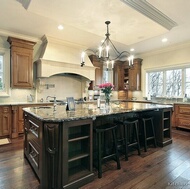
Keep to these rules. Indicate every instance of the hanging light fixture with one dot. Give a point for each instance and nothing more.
(107, 52)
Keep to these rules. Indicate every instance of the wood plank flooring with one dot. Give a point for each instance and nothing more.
(159, 168)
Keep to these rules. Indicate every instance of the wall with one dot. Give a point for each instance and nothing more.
(64, 85)
(178, 55)
(61, 86)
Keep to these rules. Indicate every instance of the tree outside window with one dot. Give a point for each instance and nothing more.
(187, 81)
(169, 83)
(174, 82)
(1, 72)
(155, 83)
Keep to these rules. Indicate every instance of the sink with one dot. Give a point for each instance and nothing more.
(43, 107)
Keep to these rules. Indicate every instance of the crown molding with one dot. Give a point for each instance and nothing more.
(166, 49)
(20, 36)
(24, 3)
(151, 12)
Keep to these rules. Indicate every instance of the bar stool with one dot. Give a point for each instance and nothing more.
(101, 131)
(149, 133)
(131, 135)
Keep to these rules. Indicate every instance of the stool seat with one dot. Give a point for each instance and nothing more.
(101, 131)
(148, 129)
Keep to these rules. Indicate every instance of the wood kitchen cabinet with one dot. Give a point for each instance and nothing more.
(98, 72)
(18, 120)
(128, 78)
(21, 63)
(119, 75)
(61, 150)
(5, 121)
(135, 75)
(162, 124)
(182, 115)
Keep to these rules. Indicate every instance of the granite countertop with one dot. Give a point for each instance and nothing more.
(86, 110)
(22, 103)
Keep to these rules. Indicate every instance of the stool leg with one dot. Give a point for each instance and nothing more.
(145, 141)
(153, 133)
(99, 157)
(126, 142)
(137, 138)
(116, 150)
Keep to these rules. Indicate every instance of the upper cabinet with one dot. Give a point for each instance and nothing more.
(21, 63)
(128, 78)
(98, 72)
(119, 75)
(135, 75)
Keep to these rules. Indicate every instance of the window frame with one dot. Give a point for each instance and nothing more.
(164, 79)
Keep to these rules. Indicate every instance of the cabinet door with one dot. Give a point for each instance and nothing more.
(135, 76)
(20, 120)
(5, 121)
(21, 63)
(22, 69)
(118, 76)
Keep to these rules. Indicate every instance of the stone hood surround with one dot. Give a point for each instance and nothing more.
(59, 57)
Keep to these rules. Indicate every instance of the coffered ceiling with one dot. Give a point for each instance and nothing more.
(84, 21)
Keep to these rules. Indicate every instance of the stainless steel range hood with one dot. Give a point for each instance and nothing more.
(59, 57)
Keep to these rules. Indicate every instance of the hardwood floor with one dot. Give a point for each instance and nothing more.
(159, 168)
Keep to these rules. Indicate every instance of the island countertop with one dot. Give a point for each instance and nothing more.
(85, 111)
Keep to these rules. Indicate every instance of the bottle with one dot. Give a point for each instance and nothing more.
(98, 102)
(185, 98)
(149, 97)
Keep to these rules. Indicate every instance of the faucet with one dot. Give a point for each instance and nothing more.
(54, 101)
(54, 98)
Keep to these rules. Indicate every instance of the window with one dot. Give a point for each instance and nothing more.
(1, 72)
(156, 83)
(169, 83)
(4, 72)
(187, 81)
(174, 82)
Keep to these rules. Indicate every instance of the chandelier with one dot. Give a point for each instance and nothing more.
(107, 52)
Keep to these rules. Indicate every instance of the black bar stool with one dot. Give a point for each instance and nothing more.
(101, 131)
(131, 135)
(148, 131)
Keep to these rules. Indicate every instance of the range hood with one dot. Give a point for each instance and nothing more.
(59, 57)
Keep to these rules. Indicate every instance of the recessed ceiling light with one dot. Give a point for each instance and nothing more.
(164, 40)
(132, 49)
(60, 27)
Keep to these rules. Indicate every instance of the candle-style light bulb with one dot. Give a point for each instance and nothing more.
(82, 56)
(100, 52)
(112, 63)
(129, 59)
(107, 51)
(107, 63)
(132, 57)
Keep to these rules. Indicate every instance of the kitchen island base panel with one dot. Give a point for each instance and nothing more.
(59, 144)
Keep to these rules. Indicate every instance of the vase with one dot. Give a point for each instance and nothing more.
(107, 99)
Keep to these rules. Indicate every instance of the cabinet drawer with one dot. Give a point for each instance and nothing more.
(182, 122)
(34, 131)
(183, 110)
(6, 109)
(33, 155)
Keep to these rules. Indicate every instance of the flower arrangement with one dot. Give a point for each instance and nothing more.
(107, 88)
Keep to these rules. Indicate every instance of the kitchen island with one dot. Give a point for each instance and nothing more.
(59, 144)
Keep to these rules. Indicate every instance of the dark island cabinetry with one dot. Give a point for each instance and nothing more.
(162, 122)
(61, 150)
